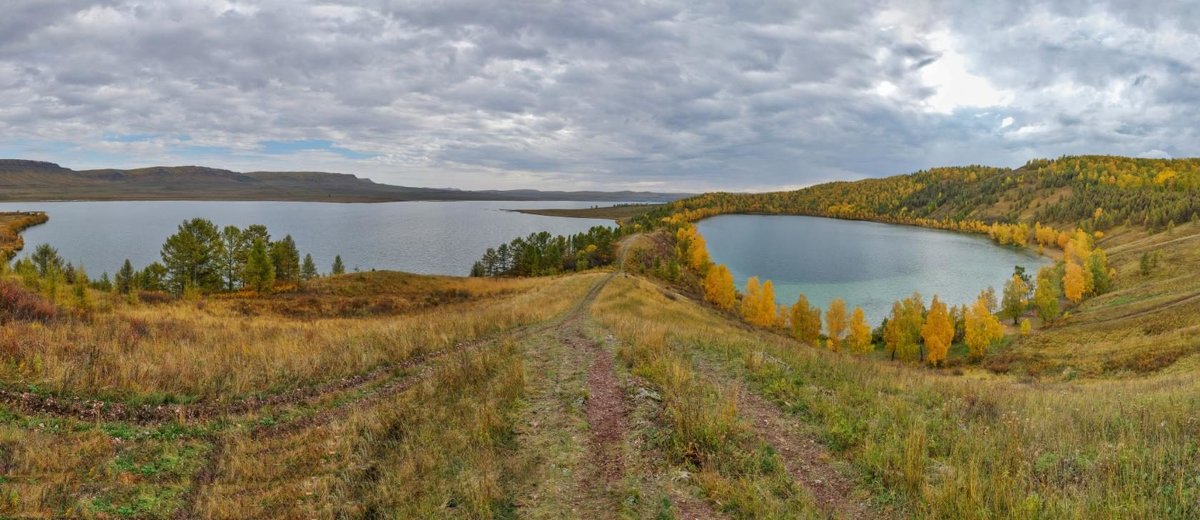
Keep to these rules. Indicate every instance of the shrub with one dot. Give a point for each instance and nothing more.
(18, 304)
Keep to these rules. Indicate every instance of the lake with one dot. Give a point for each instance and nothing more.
(865, 263)
(418, 237)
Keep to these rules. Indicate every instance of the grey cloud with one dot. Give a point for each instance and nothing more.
(690, 95)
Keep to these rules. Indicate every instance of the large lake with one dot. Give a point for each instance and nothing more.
(864, 263)
(418, 237)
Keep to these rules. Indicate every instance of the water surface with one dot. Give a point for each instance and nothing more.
(865, 263)
(418, 237)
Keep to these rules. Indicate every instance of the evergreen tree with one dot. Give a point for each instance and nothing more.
(286, 259)
(192, 257)
(338, 266)
(309, 270)
(233, 256)
(124, 278)
(260, 271)
(45, 258)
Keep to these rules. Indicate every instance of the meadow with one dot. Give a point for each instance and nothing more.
(620, 391)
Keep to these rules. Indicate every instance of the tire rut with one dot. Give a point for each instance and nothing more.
(210, 469)
(804, 456)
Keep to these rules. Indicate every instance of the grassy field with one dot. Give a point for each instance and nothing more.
(592, 395)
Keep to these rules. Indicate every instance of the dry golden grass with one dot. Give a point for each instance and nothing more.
(189, 351)
(1146, 324)
(704, 436)
(937, 445)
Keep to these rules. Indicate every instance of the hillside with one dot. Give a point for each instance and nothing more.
(1069, 191)
(42, 181)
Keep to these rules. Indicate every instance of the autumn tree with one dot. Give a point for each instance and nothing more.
(835, 323)
(860, 332)
(1074, 284)
(806, 321)
(938, 332)
(1015, 293)
(983, 329)
(718, 287)
(758, 305)
(902, 332)
(1045, 298)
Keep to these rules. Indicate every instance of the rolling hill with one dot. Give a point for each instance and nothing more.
(22, 180)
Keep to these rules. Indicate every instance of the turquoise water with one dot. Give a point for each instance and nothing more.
(865, 263)
(418, 237)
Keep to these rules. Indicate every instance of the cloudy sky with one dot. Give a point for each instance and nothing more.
(608, 94)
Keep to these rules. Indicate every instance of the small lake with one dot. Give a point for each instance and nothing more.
(865, 263)
(418, 237)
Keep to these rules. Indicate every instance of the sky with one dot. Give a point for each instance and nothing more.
(607, 94)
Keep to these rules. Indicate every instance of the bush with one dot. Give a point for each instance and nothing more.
(18, 304)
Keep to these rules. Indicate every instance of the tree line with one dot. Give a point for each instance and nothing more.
(541, 254)
(198, 257)
(912, 331)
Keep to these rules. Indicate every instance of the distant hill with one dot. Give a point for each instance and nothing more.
(22, 180)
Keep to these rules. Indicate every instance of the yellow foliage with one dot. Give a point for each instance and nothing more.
(758, 305)
(938, 332)
(806, 321)
(835, 323)
(860, 332)
(718, 287)
(1074, 282)
(983, 328)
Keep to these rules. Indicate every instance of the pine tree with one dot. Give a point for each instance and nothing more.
(835, 323)
(938, 332)
(124, 278)
(233, 256)
(192, 257)
(309, 270)
(338, 266)
(260, 271)
(860, 332)
(286, 258)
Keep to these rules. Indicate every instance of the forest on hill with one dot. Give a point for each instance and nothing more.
(1095, 193)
